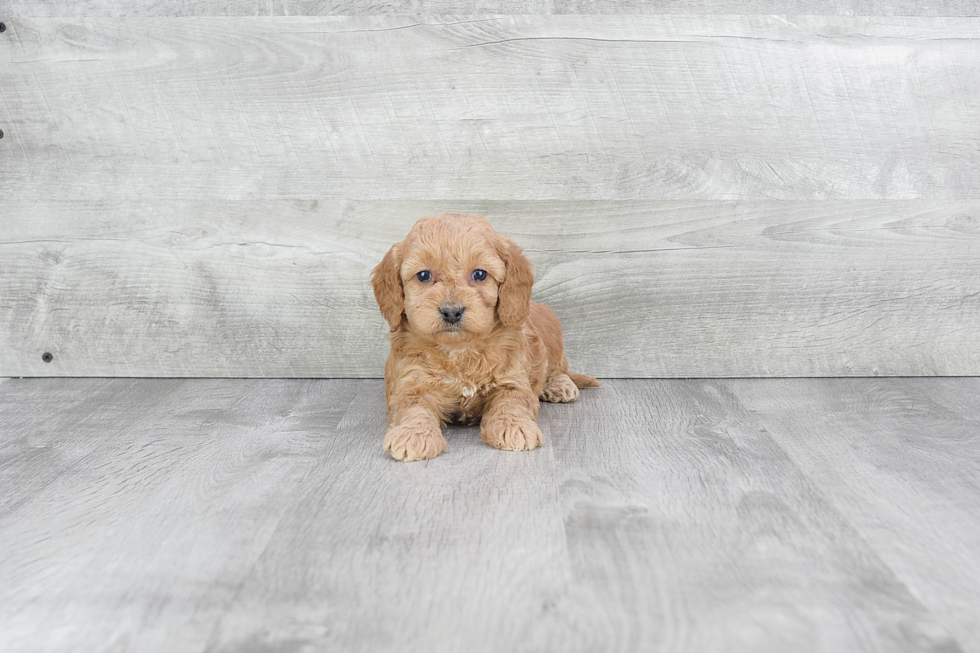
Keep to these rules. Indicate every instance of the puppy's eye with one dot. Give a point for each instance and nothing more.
(423, 276)
(479, 275)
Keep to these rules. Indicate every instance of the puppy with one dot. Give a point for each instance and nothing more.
(467, 343)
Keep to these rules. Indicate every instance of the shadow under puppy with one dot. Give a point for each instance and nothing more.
(467, 343)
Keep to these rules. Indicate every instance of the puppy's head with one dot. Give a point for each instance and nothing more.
(453, 279)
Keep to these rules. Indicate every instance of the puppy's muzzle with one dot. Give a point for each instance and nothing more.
(452, 314)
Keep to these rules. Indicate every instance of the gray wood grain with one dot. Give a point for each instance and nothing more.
(117, 8)
(132, 510)
(511, 107)
(690, 529)
(261, 515)
(461, 553)
(190, 192)
(900, 459)
(645, 289)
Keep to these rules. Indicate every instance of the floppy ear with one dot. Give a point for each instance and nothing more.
(514, 294)
(388, 289)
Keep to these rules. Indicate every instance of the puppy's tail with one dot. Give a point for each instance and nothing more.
(583, 380)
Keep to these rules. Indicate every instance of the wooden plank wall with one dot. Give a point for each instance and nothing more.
(200, 188)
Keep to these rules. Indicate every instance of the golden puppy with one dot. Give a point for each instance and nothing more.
(467, 343)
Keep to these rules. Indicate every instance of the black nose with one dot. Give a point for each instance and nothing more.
(452, 314)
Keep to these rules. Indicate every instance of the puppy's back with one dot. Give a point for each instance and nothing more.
(547, 326)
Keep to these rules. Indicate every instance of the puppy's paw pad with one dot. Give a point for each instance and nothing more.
(413, 442)
(512, 434)
(560, 390)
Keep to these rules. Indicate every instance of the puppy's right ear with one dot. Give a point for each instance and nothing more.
(388, 289)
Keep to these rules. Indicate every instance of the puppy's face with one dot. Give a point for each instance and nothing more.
(450, 274)
(452, 279)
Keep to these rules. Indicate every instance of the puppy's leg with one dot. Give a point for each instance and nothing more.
(417, 435)
(509, 421)
(560, 389)
(415, 423)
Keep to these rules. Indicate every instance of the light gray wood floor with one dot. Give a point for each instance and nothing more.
(261, 515)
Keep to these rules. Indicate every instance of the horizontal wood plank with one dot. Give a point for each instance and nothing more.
(204, 194)
(118, 8)
(645, 289)
(492, 108)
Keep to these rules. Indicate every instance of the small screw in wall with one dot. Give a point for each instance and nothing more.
(47, 357)
(3, 28)
(1, 133)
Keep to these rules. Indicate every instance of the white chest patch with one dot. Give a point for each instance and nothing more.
(457, 384)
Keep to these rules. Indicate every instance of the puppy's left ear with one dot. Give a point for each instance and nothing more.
(514, 294)
(388, 289)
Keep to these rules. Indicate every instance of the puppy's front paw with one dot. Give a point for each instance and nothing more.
(414, 441)
(512, 434)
